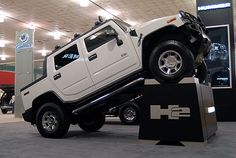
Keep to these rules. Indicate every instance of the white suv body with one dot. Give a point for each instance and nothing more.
(106, 55)
(82, 76)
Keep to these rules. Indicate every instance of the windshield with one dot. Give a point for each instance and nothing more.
(122, 24)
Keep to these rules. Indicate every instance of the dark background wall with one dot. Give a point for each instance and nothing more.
(225, 99)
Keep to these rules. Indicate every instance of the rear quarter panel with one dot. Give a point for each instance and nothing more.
(28, 95)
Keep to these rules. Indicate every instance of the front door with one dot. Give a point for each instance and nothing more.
(108, 61)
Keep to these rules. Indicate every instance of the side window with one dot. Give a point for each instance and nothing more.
(99, 38)
(66, 57)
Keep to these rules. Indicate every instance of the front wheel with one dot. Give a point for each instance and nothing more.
(92, 122)
(52, 121)
(170, 61)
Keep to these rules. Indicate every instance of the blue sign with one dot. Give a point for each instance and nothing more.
(24, 40)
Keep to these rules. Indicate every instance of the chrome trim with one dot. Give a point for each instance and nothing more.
(170, 62)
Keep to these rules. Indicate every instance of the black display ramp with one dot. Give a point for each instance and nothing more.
(177, 112)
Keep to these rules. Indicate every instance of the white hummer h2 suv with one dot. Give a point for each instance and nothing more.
(81, 78)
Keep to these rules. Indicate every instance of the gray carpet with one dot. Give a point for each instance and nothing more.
(21, 140)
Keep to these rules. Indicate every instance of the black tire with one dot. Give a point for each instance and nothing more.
(167, 56)
(52, 112)
(201, 72)
(129, 114)
(4, 111)
(92, 122)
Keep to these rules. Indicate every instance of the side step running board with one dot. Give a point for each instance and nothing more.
(106, 96)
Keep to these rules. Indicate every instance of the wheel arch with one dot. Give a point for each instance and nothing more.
(42, 99)
(151, 40)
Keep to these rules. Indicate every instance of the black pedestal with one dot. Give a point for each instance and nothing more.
(177, 112)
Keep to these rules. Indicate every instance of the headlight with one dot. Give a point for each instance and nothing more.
(184, 17)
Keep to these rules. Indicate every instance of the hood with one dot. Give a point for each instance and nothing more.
(155, 24)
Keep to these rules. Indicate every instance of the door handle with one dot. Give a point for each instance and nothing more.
(57, 76)
(92, 57)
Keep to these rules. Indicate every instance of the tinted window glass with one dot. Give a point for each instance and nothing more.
(66, 57)
(99, 38)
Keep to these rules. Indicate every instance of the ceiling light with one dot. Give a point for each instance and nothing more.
(2, 43)
(108, 14)
(112, 11)
(2, 18)
(84, 3)
(3, 15)
(31, 25)
(3, 58)
(56, 35)
(132, 23)
(44, 52)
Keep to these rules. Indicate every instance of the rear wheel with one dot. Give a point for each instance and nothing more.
(92, 122)
(129, 114)
(170, 61)
(52, 121)
(4, 111)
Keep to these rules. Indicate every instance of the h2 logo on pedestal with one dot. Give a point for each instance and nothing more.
(174, 112)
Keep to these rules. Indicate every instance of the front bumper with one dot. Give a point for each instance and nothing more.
(27, 115)
(196, 31)
(198, 38)
(199, 41)
(205, 46)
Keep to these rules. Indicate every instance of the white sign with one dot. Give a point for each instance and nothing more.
(174, 112)
(214, 6)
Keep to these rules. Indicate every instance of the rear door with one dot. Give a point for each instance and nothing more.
(70, 73)
(107, 61)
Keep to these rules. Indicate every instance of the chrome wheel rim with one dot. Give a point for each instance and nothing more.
(129, 114)
(49, 121)
(170, 62)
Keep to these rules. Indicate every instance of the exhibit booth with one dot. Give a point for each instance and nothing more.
(217, 15)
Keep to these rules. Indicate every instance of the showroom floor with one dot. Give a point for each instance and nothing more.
(20, 139)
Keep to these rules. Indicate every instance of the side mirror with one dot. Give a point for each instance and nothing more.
(115, 34)
(119, 41)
